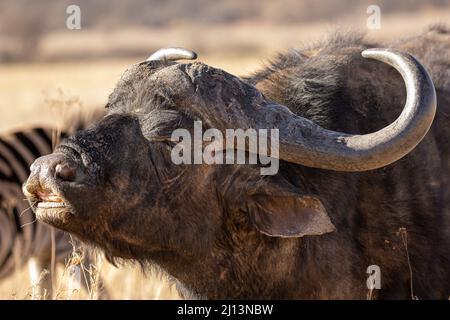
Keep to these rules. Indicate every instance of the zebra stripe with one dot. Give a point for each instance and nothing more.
(23, 239)
(18, 166)
(21, 236)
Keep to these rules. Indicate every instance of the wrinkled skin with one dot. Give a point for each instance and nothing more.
(198, 222)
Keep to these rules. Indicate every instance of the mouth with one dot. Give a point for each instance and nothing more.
(49, 200)
(52, 208)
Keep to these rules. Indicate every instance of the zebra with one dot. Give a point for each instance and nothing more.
(23, 240)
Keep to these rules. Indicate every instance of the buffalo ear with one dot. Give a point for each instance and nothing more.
(289, 215)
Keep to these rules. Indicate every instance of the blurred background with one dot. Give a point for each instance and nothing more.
(48, 71)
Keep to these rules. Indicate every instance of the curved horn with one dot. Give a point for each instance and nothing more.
(173, 54)
(304, 142)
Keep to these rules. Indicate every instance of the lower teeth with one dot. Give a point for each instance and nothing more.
(51, 205)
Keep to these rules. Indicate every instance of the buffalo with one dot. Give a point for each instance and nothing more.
(362, 191)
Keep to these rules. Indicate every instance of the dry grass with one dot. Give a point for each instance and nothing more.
(118, 283)
(242, 38)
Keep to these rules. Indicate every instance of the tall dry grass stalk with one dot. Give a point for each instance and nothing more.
(403, 234)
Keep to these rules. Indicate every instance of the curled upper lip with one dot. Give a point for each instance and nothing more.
(49, 197)
(49, 200)
(45, 199)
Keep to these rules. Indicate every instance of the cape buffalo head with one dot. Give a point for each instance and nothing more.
(115, 184)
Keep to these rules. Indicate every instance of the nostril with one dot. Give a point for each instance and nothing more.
(65, 172)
